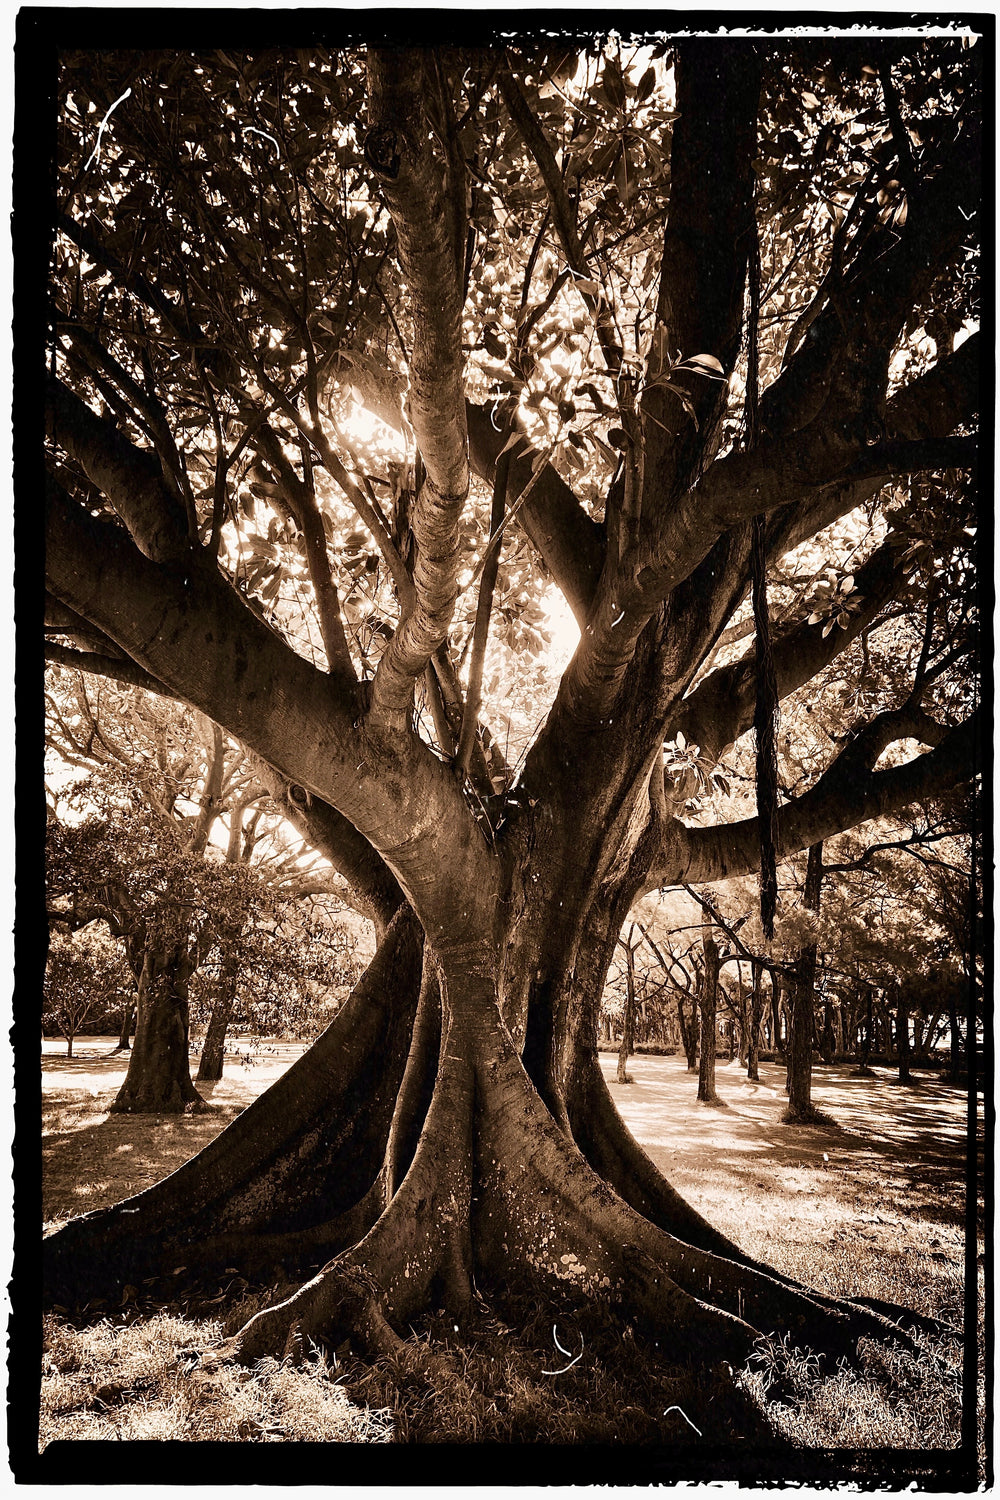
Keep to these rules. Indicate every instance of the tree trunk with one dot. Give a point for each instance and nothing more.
(214, 1046)
(753, 1029)
(902, 1035)
(827, 1043)
(628, 1017)
(800, 1107)
(689, 1033)
(709, 998)
(408, 1155)
(125, 1034)
(865, 1032)
(158, 1080)
(777, 1038)
(955, 1059)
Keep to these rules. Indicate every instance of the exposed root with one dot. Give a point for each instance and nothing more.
(418, 1247)
(616, 1155)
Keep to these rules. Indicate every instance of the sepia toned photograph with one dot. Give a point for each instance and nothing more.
(505, 859)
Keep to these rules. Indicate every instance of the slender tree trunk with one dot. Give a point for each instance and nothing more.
(955, 1061)
(753, 1030)
(628, 1017)
(827, 1043)
(688, 1027)
(865, 1029)
(919, 1020)
(801, 1040)
(777, 1037)
(902, 1034)
(125, 1034)
(709, 997)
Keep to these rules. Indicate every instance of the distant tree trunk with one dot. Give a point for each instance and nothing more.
(753, 1029)
(158, 1080)
(777, 1041)
(902, 1034)
(214, 1047)
(689, 1033)
(135, 947)
(628, 1018)
(124, 1036)
(827, 1042)
(800, 1043)
(955, 1062)
(919, 1019)
(865, 1029)
(709, 998)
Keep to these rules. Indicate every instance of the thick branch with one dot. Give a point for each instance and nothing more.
(847, 794)
(721, 708)
(189, 629)
(116, 668)
(421, 197)
(705, 254)
(131, 478)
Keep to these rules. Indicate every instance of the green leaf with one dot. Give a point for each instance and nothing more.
(613, 84)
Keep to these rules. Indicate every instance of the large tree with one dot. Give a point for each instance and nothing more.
(649, 317)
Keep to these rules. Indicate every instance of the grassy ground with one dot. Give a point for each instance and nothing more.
(872, 1205)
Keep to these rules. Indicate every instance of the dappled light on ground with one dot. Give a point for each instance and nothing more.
(826, 1203)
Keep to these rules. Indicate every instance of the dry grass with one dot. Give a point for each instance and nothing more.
(144, 1381)
(871, 1205)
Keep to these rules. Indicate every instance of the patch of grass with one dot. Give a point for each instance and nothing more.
(145, 1380)
(522, 1378)
(897, 1399)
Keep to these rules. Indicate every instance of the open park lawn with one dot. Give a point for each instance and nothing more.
(872, 1204)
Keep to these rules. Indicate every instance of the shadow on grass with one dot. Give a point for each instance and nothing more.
(870, 1133)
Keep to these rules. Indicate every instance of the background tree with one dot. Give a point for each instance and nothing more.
(163, 784)
(86, 980)
(648, 318)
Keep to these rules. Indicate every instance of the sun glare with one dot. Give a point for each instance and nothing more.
(562, 627)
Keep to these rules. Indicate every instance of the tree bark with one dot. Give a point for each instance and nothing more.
(753, 1029)
(125, 1034)
(628, 1014)
(158, 1080)
(214, 1046)
(800, 1107)
(902, 1034)
(708, 1000)
(689, 1032)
